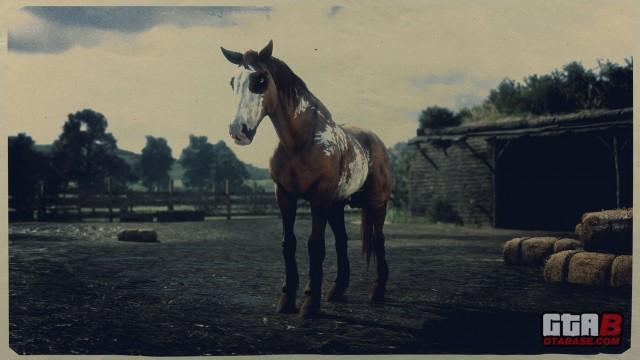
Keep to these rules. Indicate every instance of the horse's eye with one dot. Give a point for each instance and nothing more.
(231, 83)
(259, 84)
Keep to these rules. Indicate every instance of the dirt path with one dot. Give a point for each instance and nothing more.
(210, 288)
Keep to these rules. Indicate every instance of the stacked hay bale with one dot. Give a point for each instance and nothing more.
(535, 250)
(608, 241)
(601, 256)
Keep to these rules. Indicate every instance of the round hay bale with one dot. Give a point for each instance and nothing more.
(566, 244)
(589, 268)
(607, 231)
(138, 235)
(621, 271)
(511, 251)
(578, 231)
(528, 251)
(555, 269)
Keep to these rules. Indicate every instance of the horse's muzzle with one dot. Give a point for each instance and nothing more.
(241, 134)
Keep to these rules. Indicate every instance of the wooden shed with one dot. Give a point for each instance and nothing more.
(525, 172)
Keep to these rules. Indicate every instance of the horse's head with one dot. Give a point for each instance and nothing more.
(254, 90)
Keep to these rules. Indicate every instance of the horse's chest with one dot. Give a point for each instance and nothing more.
(295, 176)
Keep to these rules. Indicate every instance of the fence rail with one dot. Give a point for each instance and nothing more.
(145, 206)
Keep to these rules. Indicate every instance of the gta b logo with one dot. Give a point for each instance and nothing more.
(587, 329)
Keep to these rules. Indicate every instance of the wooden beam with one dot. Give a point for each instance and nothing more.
(477, 155)
(424, 155)
(504, 147)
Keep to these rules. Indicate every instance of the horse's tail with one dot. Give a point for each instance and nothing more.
(367, 233)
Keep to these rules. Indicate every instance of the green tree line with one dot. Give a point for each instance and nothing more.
(569, 89)
(85, 157)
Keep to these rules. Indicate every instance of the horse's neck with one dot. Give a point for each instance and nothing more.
(295, 121)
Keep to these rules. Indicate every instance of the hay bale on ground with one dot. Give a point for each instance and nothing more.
(607, 231)
(589, 268)
(528, 250)
(138, 235)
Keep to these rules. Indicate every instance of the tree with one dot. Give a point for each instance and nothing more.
(85, 155)
(435, 117)
(26, 168)
(197, 161)
(155, 163)
(616, 82)
(228, 166)
(208, 166)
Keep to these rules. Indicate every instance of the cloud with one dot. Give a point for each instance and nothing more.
(450, 78)
(57, 29)
(333, 11)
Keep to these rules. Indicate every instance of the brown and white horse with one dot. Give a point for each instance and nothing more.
(318, 160)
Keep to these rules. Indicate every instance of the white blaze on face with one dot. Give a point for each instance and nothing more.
(248, 104)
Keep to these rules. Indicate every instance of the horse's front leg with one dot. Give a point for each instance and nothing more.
(311, 306)
(287, 204)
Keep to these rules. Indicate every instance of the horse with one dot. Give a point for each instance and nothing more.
(316, 159)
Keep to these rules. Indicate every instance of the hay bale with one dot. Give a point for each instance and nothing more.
(567, 244)
(589, 268)
(138, 235)
(607, 231)
(621, 271)
(556, 266)
(528, 251)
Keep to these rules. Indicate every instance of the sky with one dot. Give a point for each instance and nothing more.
(159, 71)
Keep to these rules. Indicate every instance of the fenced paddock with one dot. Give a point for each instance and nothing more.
(128, 206)
(210, 287)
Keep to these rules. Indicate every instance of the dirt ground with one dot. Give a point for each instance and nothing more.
(210, 288)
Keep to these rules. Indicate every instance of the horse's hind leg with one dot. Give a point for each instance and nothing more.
(378, 215)
(336, 221)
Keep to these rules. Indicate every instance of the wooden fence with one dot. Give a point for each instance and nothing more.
(148, 206)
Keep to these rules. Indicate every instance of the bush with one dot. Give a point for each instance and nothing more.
(435, 117)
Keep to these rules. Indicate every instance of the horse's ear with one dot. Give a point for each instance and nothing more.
(232, 56)
(265, 53)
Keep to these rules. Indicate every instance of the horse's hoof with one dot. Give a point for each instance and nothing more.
(310, 308)
(286, 304)
(376, 295)
(336, 294)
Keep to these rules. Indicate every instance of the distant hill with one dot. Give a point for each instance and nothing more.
(176, 172)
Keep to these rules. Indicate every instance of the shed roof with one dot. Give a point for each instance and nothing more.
(509, 127)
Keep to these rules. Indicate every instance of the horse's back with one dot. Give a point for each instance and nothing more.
(377, 188)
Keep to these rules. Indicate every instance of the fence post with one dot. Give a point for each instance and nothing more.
(42, 201)
(110, 199)
(170, 207)
(228, 195)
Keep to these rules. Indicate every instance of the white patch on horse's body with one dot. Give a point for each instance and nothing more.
(302, 106)
(248, 104)
(358, 169)
(333, 139)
